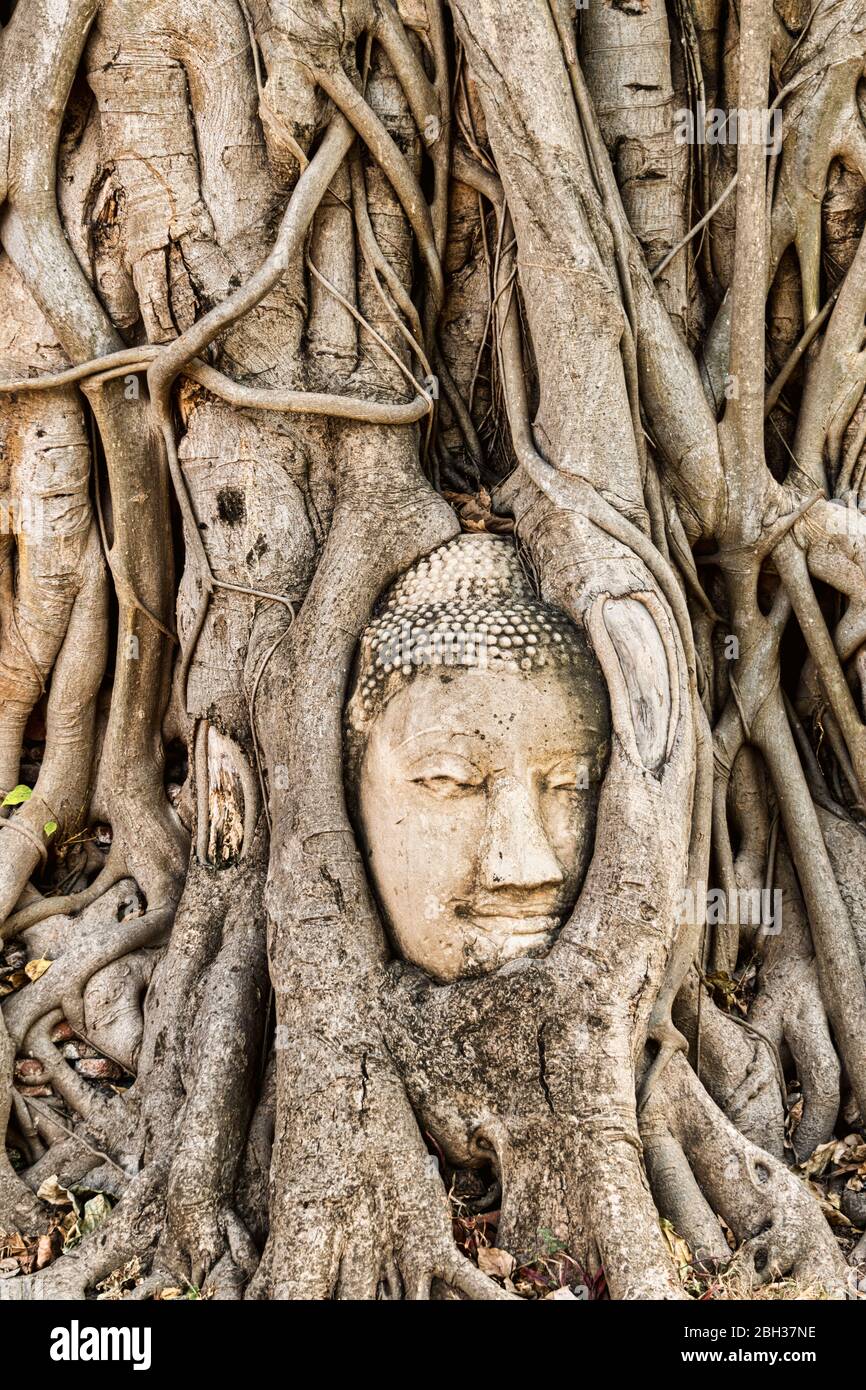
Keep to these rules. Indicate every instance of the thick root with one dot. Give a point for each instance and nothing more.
(768, 1208)
(132, 1231)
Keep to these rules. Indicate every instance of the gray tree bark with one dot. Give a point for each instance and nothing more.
(290, 294)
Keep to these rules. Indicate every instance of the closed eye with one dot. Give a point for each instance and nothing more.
(443, 786)
(573, 778)
(446, 775)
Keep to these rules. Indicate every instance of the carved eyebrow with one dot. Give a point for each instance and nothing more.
(583, 744)
(566, 770)
(563, 760)
(435, 729)
(443, 763)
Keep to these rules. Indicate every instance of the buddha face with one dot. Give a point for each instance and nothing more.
(477, 797)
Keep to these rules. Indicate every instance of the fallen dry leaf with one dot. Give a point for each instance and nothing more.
(120, 1281)
(819, 1160)
(51, 1191)
(476, 512)
(96, 1211)
(833, 1215)
(679, 1249)
(34, 969)
(492, 1260)
(45, 1250)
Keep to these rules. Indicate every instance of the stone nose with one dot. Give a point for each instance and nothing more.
(515, 851)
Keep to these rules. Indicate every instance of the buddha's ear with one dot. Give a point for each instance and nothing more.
(636, 649)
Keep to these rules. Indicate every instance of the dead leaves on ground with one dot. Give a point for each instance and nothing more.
(120, 1281)
(77, 1213)
(14, 976)
(842, 1163)
(125, 1280)
(11, 980)
(23, 1255)
(495, 1262)
(838, 1158)
(550, 1274)
(729, 994)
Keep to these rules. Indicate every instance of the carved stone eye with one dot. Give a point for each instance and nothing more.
(443, 785)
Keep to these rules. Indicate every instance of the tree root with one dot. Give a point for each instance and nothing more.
(534, 1070)
(132, 1230)
(767, 1207)
(61, 790)
(112, 873)
(19, 1209)
(63, 987)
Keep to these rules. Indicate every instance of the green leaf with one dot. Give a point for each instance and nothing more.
(17, 795)
(96, 1211)
(552, 1244)
(49, 827)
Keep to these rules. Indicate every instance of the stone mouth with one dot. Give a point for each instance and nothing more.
(515, 923)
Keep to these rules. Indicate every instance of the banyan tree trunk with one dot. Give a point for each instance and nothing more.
(292, 296)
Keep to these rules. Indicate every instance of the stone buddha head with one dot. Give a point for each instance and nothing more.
(477, 732)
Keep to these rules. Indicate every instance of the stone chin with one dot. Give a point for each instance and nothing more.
(489, 944)
(463, 946)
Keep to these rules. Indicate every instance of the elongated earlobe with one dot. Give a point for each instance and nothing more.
(634, 658)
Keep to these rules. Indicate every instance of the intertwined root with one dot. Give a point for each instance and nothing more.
(132, 1232)
(100, 966)
(775, 1219)
(171, 210)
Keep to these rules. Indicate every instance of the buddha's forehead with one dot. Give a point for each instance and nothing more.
(464, 657)
(491, 711)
